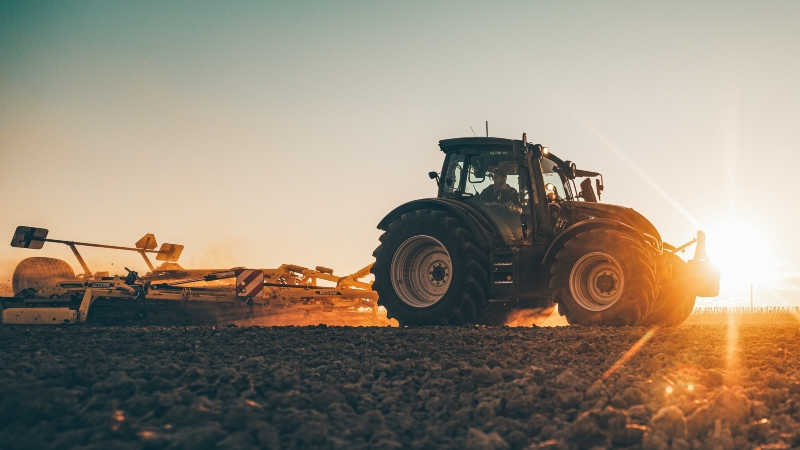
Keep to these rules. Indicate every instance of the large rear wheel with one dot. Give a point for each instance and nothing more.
(603, 277)
(429, 271)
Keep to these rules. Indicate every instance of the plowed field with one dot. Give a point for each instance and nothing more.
(709, 386)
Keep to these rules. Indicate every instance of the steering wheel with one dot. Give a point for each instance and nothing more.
(512, 207)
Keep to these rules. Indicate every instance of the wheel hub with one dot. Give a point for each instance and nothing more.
(606, 283)
(421, 271)
(438, 273)
(596, 281)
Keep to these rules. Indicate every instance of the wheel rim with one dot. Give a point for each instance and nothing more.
(421, 271)
(596, 281)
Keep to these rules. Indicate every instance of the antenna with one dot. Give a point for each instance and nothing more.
(487, 128)
(473, 131)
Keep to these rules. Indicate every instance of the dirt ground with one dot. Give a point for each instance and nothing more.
(698, 386)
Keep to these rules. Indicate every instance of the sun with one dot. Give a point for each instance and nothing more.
(743, 252)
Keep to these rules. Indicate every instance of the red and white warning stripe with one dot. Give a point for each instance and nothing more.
(249, 283)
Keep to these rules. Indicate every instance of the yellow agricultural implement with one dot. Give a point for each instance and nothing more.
(47, 291)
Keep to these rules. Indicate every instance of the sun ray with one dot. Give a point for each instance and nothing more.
(627, 355)
(630, 163)
(732, 343)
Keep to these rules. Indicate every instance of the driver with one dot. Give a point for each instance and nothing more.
(553, 204)
(500, 192)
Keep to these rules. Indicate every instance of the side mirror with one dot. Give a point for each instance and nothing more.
(434, 176)
(570, 169)
(587, 192)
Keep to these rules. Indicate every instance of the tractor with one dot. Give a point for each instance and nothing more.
(514, 227)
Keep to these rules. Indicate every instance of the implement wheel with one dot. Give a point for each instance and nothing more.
(37, 273)
(675, 302)
(603, 277)
(428, 271)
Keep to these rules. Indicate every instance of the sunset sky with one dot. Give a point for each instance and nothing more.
(257, 134)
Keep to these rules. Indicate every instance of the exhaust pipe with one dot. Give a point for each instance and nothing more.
(704, 276)
(700, 250)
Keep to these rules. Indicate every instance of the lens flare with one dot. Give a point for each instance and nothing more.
(732, 338)
(627, 355)
(743, 252)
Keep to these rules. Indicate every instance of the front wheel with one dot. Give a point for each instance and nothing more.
(428, 271)
(603, 277)
(675, 299)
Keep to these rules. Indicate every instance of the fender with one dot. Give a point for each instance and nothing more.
(481, 228)
(587, 225)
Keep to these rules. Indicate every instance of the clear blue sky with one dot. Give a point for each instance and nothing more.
(266, 133)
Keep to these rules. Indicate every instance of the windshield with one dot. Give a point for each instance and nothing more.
(552, 174)
(494, 183)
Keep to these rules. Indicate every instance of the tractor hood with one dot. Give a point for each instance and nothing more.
(575, 212)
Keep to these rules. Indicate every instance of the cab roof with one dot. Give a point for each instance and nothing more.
(486, 143)
(479, 143)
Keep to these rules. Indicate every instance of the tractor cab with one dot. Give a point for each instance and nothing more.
(519, 186)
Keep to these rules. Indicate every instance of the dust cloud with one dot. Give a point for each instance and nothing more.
(541, 317)
(217, 254)
(296, 317)
(6, 272)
